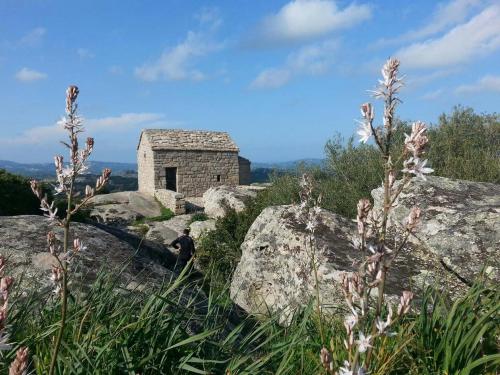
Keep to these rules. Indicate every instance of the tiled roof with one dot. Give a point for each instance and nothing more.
(176, 139)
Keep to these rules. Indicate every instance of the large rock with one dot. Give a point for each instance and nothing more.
(460, 224)
(459, 235)
(217, 199)
(23, 243)
(199, 228)
(123, 208)
(275, 272)
(164, 232)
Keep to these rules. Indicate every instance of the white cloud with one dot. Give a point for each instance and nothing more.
(29, 75)
(307, 19)
(115, 70)
(209, 16)
(444, 16)
(487, 83)
(123, 122)
(34, 37)
(175, 64)
(313, 59)
(85, 53)
(433, 95)
(474, 39)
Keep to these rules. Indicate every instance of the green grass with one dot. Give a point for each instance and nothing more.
(166, 214)
(116, 331)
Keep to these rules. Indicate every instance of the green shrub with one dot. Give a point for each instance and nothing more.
(17, 197)
(198, 216)
(466, 145)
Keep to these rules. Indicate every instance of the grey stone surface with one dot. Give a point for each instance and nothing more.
(23, 243)
(198, 228)
(165, 232)
(123, 208)
(458, 236)
(460, 224)
(216, 199)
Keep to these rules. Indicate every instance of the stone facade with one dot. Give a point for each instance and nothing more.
(245, 173)
(171, 199)
(188, 162)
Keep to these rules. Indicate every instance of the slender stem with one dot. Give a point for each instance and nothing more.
(63, 265)
(318, 308)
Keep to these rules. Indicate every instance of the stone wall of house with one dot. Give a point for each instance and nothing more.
(171, 199)
(145, 167)
(245, 173)
(197, 171)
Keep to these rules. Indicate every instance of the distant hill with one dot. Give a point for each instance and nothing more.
(286, 165)
(46, 170)
(124, 175)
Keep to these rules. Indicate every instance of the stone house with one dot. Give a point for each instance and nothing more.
(174, 164)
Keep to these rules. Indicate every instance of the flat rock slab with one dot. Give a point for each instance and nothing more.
(23, 243)
(123, 208)
(216, 200)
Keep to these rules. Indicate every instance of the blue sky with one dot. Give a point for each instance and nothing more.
(280, 76)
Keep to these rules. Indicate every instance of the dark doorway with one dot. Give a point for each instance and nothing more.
(171, 178)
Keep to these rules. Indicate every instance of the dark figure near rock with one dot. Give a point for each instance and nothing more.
(185, 244)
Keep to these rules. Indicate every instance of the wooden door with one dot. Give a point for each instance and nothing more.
(171, 178)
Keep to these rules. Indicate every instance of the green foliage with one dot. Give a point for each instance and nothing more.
(352, 172)
(199, 216)
(460, 337)
(165, 214)
(17, 197)
(115, 331)
(465, 145)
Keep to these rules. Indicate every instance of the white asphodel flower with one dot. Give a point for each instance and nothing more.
(417, 167)
(364, 131)
(363, 342)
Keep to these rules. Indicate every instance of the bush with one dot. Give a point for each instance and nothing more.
(17, 197)
(199, 216)
(466, 145)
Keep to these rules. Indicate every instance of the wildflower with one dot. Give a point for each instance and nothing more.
(382, 325)
(326, 359)
(20, 364)
(350, 321)
(56, 278)
(417, 140)
(78, 245)
(364, 207)
(365, 132)
(71, 95)
(413, 217)
(404, 304)
(417, 167)
(367, 111)
(363, 342)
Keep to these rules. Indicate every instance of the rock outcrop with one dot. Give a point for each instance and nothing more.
(199, 228)
(459, 235)
(123, 208)
(216, 200)
(460, 224)
(23, 243)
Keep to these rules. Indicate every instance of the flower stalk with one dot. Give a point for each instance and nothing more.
(66, 176)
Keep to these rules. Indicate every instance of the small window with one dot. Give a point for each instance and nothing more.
(144, 155)
(218, 178)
